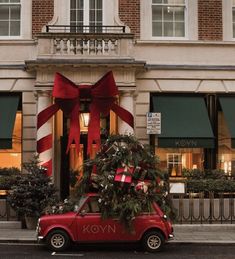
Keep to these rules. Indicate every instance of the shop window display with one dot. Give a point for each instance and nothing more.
(174, 160)
(226, 154)
(12, 157)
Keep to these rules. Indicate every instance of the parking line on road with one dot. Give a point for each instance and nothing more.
(71, 255)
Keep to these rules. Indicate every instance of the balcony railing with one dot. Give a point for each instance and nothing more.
(85, 41)
(85, 29)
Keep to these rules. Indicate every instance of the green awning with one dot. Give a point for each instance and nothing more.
(184, 122)
(8, 109)
(228, 108)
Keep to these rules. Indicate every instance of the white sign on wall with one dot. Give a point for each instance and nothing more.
(153, 122)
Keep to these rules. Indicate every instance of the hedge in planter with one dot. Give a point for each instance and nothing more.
(208, 181)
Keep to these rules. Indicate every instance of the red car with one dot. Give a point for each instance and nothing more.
(152, 229)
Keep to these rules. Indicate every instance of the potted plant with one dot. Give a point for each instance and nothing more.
(32, 192)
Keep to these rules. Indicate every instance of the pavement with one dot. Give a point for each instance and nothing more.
(205, 233)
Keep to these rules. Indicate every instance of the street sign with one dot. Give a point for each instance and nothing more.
(153, 122)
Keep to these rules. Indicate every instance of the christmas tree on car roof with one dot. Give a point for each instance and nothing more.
(125, 174)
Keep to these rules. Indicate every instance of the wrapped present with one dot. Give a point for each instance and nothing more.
(124, 174)
(113, 149)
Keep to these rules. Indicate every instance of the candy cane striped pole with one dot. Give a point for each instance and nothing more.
(127, 102)
(44, 133)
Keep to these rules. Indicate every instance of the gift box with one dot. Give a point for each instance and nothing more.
(124, 174)
(112, 149)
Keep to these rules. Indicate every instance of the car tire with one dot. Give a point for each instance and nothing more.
(153, 241)
(58, 240)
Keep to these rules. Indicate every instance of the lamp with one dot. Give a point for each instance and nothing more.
(85, 117)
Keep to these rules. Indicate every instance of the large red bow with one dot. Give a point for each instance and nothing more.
(67, 98)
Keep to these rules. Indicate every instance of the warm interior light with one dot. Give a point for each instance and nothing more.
(85, 118)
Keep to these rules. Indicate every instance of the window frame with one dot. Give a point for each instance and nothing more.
(175, 162)
(191, 22)
(227, 6)
(9, 20)
(25, 22)
(233, 20)
(162, 6)
(86, 21)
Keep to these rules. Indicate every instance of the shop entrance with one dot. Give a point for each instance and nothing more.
(71, 163)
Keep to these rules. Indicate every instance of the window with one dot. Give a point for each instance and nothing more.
(174, 164)
(10, 15)
(92, 206)
(174, 160)
(12, 157)
(168, 18)
(233, 21)
(86, 13)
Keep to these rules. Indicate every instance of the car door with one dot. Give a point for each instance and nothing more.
(91, 226)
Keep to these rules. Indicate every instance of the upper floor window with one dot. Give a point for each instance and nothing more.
(168, 18)
(10, 15)
(86, 13)
(233, 21)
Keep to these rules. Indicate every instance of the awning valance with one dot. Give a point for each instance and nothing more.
(184, 122)
(8, 109)
(228, 108)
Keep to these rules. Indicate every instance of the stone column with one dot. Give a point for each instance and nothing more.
(127, 102)
(45, 132)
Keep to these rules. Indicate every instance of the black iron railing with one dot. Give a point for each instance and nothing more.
(204, 208)
(84, 29)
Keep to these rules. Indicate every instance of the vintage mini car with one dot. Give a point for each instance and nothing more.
(151, 229)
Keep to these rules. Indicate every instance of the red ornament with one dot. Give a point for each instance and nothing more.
(124, 174)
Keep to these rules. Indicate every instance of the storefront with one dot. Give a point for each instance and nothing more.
(197, 132)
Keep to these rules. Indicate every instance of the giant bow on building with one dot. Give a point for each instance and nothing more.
(102, 96)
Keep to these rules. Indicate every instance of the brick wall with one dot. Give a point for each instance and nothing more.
(43, 11)
(129, 13)
(210, 20)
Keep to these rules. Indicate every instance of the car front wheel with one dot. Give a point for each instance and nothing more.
(58, 240)
(153, 241)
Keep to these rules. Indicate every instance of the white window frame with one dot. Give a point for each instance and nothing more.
(169, 5)
(62, 12)
(86, 13)
(191, 21)
(174, 163)
(228, 20)
(25, 22)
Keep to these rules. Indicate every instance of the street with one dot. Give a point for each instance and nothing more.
(119, 251)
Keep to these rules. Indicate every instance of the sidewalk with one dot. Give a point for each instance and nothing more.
(207, 234)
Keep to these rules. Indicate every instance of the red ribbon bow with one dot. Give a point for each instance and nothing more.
(67, 98)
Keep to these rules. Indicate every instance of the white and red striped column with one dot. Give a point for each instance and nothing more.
(126, 101)
(44, 133)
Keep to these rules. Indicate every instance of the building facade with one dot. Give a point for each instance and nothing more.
(173, 57)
